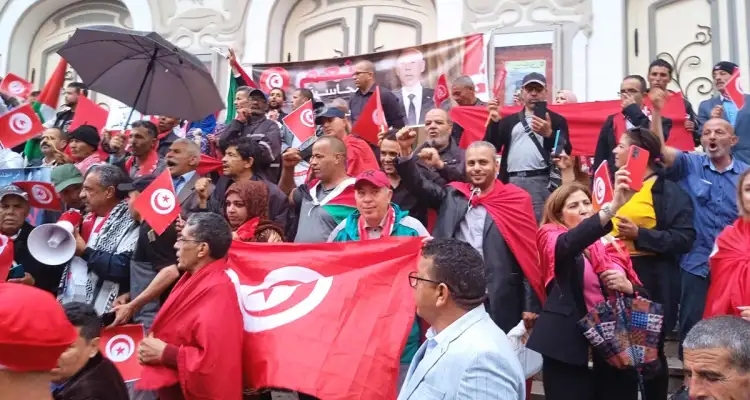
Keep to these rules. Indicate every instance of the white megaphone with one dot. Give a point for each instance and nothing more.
(54, 244)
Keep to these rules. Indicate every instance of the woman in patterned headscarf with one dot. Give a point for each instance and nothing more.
(247, 213)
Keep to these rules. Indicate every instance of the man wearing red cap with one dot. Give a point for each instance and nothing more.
(30, 345)
(377, 217)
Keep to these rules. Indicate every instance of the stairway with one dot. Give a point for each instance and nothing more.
(675, 370)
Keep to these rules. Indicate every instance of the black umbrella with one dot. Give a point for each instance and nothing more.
(142, 70)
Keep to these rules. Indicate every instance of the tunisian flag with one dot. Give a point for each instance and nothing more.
(16, 86)
(371, 120)
(158, 203)
(301, 122)
(730, 271)
(19, 125)
(326, 319)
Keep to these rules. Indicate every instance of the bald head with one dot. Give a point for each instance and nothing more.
(365, 66)
(463, 82)
(482, 145)
(719, 122)
(335, 144)
(341, 104)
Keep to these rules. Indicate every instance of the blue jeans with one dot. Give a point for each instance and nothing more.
(692, 302)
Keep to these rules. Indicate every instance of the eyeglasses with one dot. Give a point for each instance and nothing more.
(414, 279)
(181, 239)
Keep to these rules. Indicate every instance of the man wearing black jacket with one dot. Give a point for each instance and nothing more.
(632, 92)
(532, 140)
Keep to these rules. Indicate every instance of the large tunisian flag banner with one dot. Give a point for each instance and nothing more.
(326, 319)
(394, 69)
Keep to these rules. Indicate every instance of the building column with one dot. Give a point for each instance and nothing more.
(605, 63)
(450, 16)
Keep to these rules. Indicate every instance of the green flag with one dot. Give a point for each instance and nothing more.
(31, 150)
(230, 99)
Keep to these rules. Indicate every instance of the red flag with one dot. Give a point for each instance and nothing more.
(730, 271)
(41, 195)
(585, 120)
(19, 125)
(674, 109)
(88, 113)
(158, 203)
(473, 66)
(301, 122)
(499, 89)
(734, 89)
(6, 256)
(371, 120)
(208, 164)
(245, 77)
(602, 187)
(326, 319)
(119, 345)
(15, 86)
(441, 91)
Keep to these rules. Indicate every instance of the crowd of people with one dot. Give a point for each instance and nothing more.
(510, 234)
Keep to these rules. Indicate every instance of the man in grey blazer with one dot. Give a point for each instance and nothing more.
(465, 356)
(182, 160)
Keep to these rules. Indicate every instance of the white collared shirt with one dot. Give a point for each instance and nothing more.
(417, 92)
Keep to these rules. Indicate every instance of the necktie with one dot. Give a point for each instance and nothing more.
(178, 183)
(411, 115)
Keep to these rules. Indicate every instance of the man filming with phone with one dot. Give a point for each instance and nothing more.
(528, 140)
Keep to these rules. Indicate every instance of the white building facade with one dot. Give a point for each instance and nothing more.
(590, 44)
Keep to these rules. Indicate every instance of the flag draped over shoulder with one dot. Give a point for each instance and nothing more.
(326, 319)
(730, 271)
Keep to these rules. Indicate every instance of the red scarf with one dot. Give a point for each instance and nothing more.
(146, 167)
(601, 256)
(620, 126)
(730, 271)
(87, 226)
(164, 134)
(390, 218)
(6, 256)
(246, 231)
(511, 210)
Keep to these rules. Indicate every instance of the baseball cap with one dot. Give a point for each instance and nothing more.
(256, 92)
(13, 190)
(330, 112)
(140, 184)
(65, 175)
(374, 177)
(726, 66)
(28, 342)
(534, 77)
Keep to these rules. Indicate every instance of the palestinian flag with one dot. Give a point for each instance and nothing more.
(231, 111)
(339, 204)
(233, 88)
(46, 107)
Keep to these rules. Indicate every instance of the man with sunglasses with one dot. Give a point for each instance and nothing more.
(182, 365)
(466, 355)
(633, 90)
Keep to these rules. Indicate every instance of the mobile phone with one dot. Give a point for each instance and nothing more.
(17, 272)
(540, 109)
(559, 145)
(637, 164)
(108, 318)
(306, 153)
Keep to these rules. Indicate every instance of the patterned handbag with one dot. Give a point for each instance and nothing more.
(625, 331)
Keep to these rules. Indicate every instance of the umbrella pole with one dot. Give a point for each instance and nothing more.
(140, 89)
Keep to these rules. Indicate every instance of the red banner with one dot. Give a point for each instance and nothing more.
(326, 319)
(414, 70)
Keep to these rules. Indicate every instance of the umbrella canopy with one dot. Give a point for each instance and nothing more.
(144, 71)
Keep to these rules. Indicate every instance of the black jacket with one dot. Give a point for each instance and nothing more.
(607, 142)
(500, 133)
(508, 291)
(556, 333)
(97, 380)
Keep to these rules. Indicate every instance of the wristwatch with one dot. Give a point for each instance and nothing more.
(607, 208)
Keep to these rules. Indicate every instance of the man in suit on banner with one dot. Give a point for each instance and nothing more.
(415, 98)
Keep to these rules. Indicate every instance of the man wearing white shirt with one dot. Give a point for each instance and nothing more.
(415, 98)
(466, 356)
